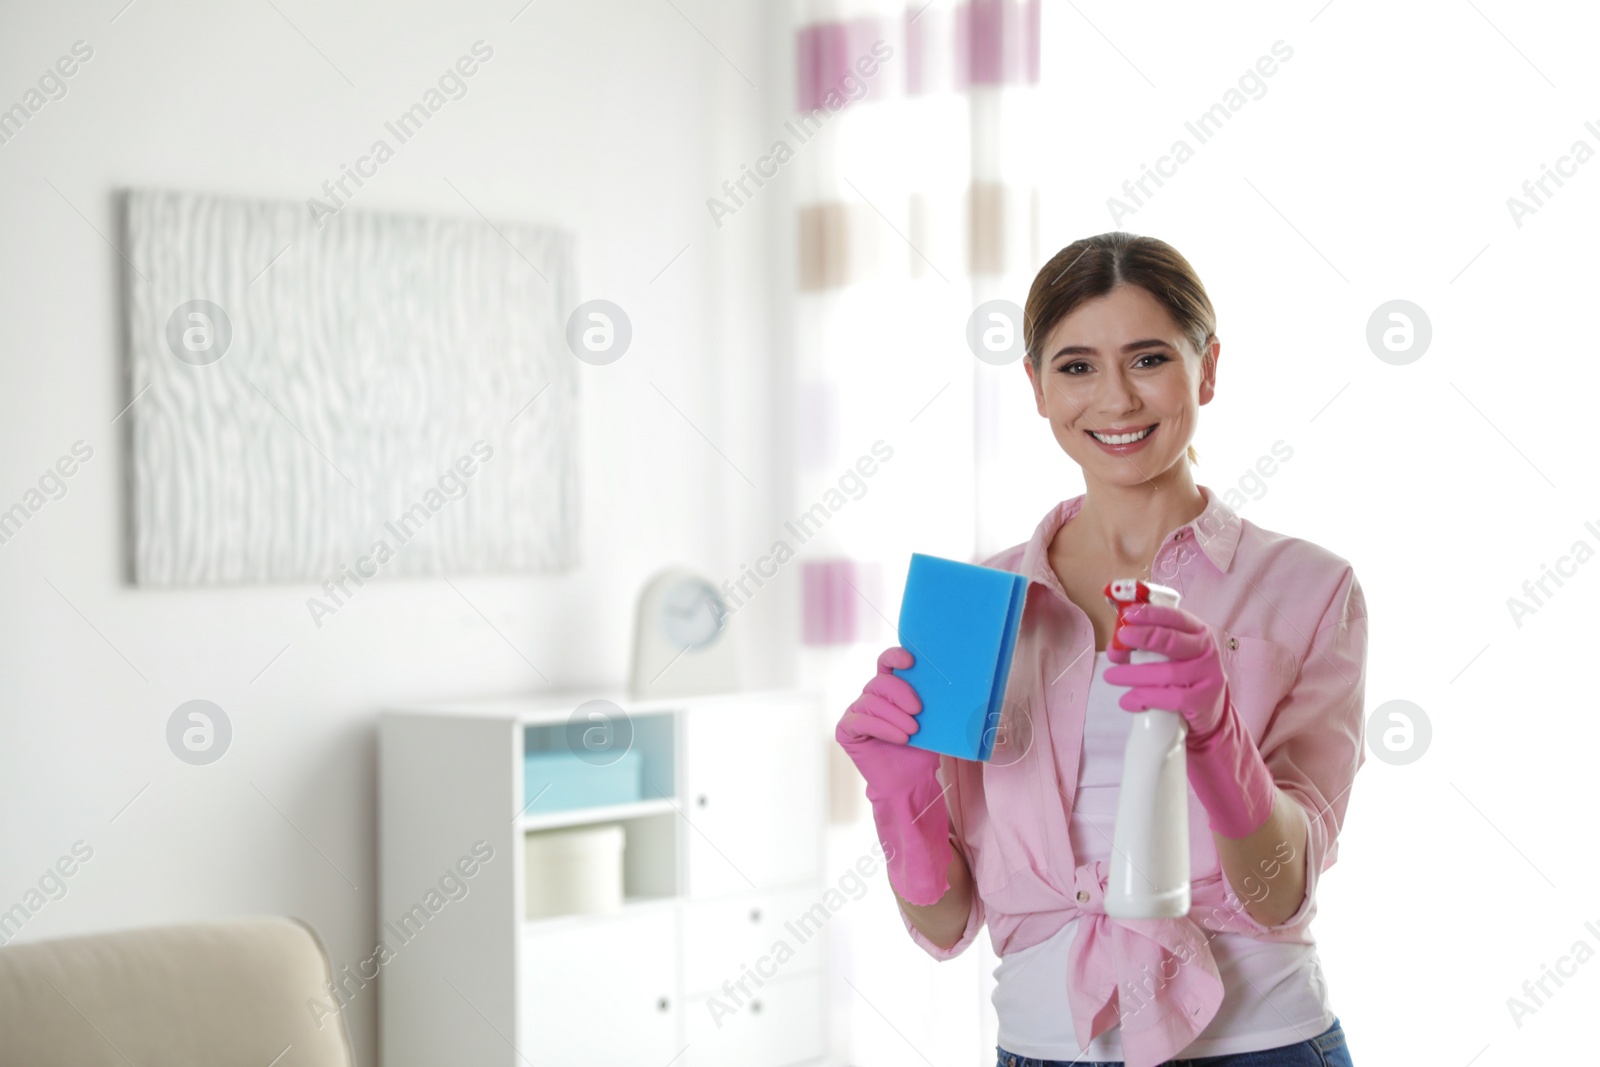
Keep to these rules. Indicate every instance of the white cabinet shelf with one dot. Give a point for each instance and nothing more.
(609, 813)
(722, 861)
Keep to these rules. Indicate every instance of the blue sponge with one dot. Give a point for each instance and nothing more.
(960, 622)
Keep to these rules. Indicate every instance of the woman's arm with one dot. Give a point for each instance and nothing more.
(1284, 798)
(1267, 869)
(1313, 748)
(944, 921)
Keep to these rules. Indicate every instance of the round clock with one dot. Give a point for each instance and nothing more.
(684, 638)
(692, 612)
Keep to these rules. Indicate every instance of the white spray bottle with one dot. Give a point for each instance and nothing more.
(1150, 846)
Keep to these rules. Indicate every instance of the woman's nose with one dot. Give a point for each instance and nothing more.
(1115, 394)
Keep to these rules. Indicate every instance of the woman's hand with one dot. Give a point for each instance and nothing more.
(907, 801)
(876, 729)
(1225, 767)
(1190, 682)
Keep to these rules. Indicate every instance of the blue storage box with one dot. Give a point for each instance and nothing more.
(576, 783)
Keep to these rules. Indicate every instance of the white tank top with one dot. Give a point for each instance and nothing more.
(1274, 992)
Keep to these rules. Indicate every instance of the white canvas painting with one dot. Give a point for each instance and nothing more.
(381, 394)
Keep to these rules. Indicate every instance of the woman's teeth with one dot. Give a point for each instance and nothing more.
(1122, 438)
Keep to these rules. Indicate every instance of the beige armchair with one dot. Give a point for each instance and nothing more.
(211, 994)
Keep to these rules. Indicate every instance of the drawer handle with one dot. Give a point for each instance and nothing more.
(662, 1004)
(755, 1005)
(701, 800)
(755, 915)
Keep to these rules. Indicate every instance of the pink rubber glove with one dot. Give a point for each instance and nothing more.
(1225, 767)
(907, 801)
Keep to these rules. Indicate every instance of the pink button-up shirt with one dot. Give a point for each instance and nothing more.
(1291, 623)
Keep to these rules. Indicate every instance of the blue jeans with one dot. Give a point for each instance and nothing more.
(1327, 1049)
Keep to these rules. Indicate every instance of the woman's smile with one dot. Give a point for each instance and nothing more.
(1122, 443)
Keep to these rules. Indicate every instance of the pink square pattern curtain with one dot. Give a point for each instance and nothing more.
(916, 201)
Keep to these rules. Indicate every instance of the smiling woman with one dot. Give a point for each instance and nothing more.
(1265, 662)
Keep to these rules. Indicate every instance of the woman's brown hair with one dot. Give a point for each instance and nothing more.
(1093, 266)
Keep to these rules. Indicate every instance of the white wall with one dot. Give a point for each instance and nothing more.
(614, 119)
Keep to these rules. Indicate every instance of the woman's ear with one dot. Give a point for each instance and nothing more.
(1038, 392)
(1208, 369)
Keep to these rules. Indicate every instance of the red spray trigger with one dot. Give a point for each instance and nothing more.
(1124, 593)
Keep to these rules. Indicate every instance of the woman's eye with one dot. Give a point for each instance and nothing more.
(1079, 367)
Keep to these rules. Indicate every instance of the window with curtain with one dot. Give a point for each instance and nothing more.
(916, 210)
(917, 234)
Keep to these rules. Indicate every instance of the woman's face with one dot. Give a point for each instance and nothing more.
(1119, 365)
